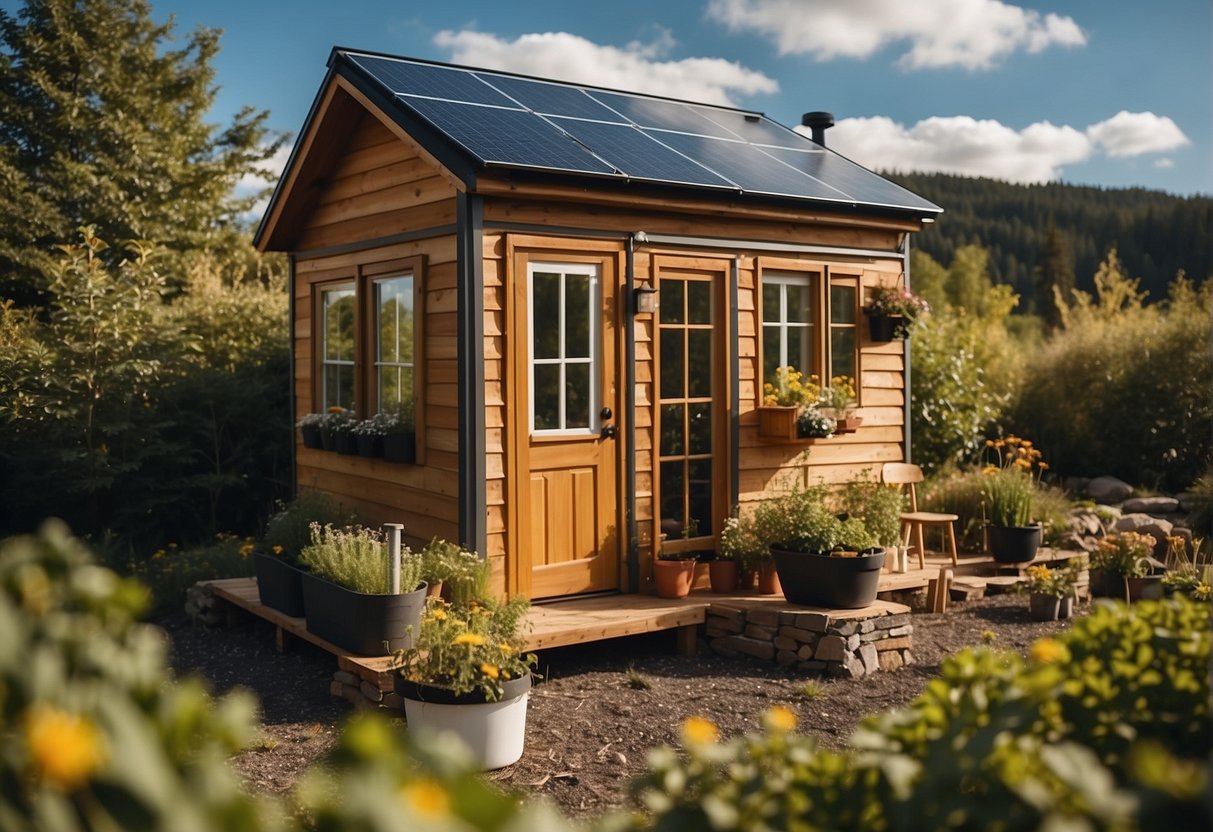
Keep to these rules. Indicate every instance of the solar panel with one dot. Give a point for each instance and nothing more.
(509, 121)
(552, 99)
(404, 78)
(638, 156)
(507, 137)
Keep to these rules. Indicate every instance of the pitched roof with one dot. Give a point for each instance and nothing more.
(476, 120)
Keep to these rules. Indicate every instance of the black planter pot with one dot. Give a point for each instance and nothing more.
(328, 439)
(400, 447)
(819, 580)
(369, 625)
(886, 327)
(370, 446)
(346, 443)
(1105, 584)
(311, 436)
(421, 692)
(279, 584)
(1014, 544)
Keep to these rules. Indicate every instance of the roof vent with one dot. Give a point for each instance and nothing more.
(819, 122)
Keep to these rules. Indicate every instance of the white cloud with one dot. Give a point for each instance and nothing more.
(638, 66)
(1132, 134)
(250, 184)
(973, 34)
(1164, 164)
(971, 147)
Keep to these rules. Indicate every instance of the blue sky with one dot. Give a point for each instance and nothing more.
(1115, 94)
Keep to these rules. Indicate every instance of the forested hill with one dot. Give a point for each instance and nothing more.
(1156, 234)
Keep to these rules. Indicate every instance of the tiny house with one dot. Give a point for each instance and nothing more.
(578, 293)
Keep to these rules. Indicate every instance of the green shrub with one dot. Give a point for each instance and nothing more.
(963, 494)
(879, 506)
(171, 570)
(357, 559)
(801, 518)
(465, 575)
(290, 527)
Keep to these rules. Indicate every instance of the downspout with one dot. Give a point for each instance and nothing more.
(630, 409)
(905, 261)
(293, 415)
(735, 384)
(473, 526)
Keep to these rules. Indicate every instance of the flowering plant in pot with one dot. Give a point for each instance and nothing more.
(348, 596)
(309, 429)
(276, 558)
(741, 543)
(334, 424)
(400, 438)
(369, 433)
(783, 400)
(1120, 564)
(468, 671)
(1050, 592)
(1187, 573)
(838, 402)
(892, 311)
(461, 575)
(1011, 479)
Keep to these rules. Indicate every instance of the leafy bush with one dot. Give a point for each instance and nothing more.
(290, 527)
(879, 506)
(173, 569)
(963, 493)
(800, 519)
(357, 559)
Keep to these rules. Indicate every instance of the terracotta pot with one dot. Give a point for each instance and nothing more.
(673, 577)
(723, 575)
(747, 579)
(768, 578)
(1043, 607)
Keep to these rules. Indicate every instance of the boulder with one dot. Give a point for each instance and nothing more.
(1156, 527)
(1108, 490)
(1150, 505)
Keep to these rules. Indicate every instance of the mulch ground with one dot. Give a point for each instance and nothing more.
(600, 707)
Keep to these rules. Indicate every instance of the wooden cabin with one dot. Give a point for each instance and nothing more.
(578, 292)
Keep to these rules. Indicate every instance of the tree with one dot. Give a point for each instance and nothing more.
(1054, 277)
(104, 125)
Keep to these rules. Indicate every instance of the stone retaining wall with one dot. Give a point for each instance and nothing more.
(850, 645)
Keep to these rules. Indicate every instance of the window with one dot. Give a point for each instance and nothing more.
(844, 338)
(564, 361)
(337, 347)
(788, 310)
(395, 367)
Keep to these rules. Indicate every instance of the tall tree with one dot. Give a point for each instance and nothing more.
(104, 125)
(1054, 277)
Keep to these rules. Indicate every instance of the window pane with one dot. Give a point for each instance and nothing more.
(842, 304)
(577, 395)
(701, 496)
(699, 360)
(842, 352)
(394, 303)
(798, 302)
(577, 316)
(672, 430)
(546, 396)
(770, 302)
(771, 357)
(672, 490)
(339, 325)
(800, 348)
(672, 364)
(671, 302)
(545, 314)
(701, 428)
(699, 302)
(338, 386)
(395, 388)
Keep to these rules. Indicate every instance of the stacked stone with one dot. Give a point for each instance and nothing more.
(813, 641)
(202, 606)
(362, 694)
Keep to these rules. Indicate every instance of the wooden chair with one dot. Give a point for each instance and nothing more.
(913, 521)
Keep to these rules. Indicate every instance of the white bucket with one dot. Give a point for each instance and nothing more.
(494, 731)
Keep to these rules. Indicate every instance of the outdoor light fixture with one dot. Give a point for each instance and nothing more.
(644, 299)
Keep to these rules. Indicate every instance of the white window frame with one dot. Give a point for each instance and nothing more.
(378, 362)
(344, 289)
(594, 360)
(783, 280)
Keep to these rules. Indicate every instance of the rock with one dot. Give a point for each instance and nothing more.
(831, 649)
(870, 659)
(1074, 540)
(1109, 490)
(1085, 522)
(1187, 501)
(1150, 505)
(1144, 524)
(890, 660)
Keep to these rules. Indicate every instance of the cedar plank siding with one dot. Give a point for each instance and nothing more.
(379, 188)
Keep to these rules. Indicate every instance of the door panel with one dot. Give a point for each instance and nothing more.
(565, 428)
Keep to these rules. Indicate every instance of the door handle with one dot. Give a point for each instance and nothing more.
(608, 432)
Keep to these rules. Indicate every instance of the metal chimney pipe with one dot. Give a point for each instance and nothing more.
(392, 531)
(819, 122)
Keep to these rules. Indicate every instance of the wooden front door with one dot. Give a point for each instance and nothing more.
(566, 423)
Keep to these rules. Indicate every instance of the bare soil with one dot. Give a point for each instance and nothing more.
(599, 707)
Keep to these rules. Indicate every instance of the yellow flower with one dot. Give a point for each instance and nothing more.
(1202, 591)
(438, 615)
(779, 719)
(246, 550)
(65, 749)
(698, 730)
(1049, 651)
(336, 409)
(505, 648)
(158, 554)
(427, 798)
(278, 550)
(490, 670)
(990, 470)
(470, 639)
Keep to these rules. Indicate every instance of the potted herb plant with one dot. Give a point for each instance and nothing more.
(276, 560)
(1050, 592)
(784, 399)
(333, 424)
(369, 434)
(1120, 564)
(347, 592)
(1186, 573)
(462, 574)
(892, 311)
(309, 428)
(838, 402)
(468, 672)
(1009, 489)
(400, 438)
(812, 423)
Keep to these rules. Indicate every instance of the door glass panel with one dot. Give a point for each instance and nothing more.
(546, 396)
(699, 363)
(700, 495)
(577, 316)
(699, 302)
(671, 302)
(700, 428)
(673, 486)
(673, 363)
(545, 302)
(576, 396)
(672, 430)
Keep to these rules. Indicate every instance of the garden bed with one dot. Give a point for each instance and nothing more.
(601, 706)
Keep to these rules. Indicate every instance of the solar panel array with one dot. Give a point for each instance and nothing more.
(504, 120)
